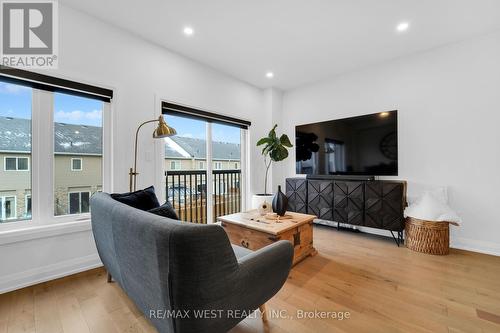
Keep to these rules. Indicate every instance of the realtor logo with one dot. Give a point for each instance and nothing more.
(29, 33)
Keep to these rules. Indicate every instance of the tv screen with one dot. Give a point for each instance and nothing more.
(364, 145)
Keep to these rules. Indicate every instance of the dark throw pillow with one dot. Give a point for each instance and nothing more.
(165, 210)
(143, 199)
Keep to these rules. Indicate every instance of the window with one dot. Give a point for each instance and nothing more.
(76, 134)
(190, 188)
(76, 164)
(78, 202)
(8, 208)
(67, 133)
(16, 163)
(27, 205)
(226, 146)
(212, 189)
(15, 148)
(175, 165)
(10, 164)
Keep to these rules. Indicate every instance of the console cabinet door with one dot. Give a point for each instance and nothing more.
(320, 198)
(348, 202)
(296, 191)
(384, 205)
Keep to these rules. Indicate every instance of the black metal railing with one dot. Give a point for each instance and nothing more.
(187, 191)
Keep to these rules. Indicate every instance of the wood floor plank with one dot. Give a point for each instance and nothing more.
(47, 320)
(96, 316)
(71, 315)
(22, 316)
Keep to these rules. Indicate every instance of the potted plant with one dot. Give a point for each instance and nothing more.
(275, 149)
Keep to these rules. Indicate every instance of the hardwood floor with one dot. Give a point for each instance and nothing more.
(384, 288)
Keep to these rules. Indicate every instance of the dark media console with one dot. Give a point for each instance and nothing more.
(353, 200)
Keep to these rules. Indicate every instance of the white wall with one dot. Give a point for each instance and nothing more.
(140, 74)
(273, 102)
(449, 115)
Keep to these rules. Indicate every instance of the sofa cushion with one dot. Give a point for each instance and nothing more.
(165, 210)
(142, 199)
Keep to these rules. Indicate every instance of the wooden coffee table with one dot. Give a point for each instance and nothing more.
(253, 231)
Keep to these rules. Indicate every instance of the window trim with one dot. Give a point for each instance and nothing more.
(17, 163)
(81, 163)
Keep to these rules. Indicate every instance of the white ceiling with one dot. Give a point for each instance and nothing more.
(301, 41)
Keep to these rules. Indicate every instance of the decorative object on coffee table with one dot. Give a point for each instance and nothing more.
(275, 150)
(161, 131)
(280, 202)
(277, 218)
(264, 208)
(253, 231)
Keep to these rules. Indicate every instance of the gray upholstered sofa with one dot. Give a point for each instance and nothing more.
(170, 268)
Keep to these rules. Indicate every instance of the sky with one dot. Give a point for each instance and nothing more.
(15, 101)
(197, 129)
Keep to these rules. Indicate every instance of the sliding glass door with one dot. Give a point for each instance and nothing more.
(203, 152)
(226, 163)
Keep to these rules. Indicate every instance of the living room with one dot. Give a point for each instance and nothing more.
(406, 242)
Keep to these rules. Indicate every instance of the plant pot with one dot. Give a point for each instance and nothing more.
(259, 199)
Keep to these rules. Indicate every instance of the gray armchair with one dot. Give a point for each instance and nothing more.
(165, 266)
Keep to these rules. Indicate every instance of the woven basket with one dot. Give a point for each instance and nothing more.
(427, 236)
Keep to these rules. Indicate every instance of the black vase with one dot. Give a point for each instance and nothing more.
(280, 202)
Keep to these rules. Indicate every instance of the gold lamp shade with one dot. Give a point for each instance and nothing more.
(163, 130)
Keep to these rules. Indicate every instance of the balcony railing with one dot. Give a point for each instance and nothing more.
(187, 191)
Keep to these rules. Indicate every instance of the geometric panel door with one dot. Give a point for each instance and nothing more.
(384, 205)
(320, 198)
(296, 191)
(348, 202)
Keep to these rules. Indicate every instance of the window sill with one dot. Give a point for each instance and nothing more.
(43, 231)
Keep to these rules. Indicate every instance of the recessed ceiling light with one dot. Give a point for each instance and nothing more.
(384, 114)
(269, 75)
(403, 26)
(188, 31)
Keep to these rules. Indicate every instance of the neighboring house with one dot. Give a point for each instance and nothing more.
(77, 164)
(183, 153)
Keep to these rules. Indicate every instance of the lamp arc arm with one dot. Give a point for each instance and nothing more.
(135, 149)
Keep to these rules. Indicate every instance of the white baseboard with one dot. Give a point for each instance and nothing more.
(476, 246)
(455, 242)
(47, 273)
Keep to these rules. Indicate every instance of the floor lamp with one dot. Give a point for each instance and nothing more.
(161, 131)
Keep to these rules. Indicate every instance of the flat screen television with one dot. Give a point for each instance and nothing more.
(364, 145)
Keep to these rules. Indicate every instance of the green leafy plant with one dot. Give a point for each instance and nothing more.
(275, 149)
